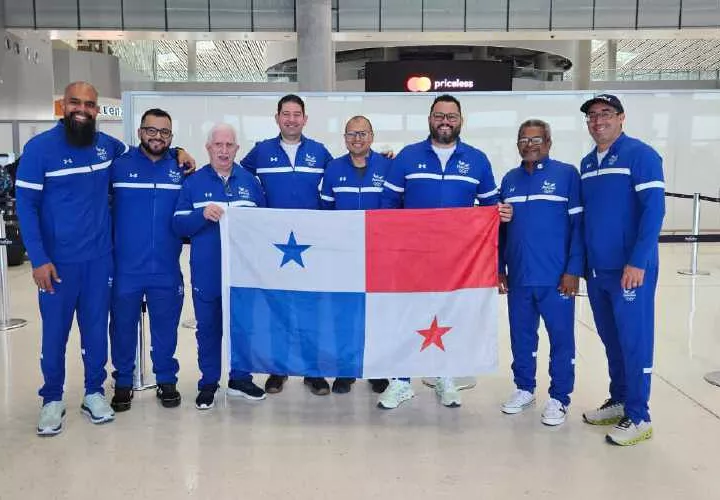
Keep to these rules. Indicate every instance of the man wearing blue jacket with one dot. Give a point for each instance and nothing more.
(624, 198)
(146, 185)
(355, 182)
(62, 199)
(222, 183)
(290, 167)
(439, 172)
(541, 261)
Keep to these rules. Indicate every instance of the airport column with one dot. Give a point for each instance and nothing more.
(316, 54)
(611, 60)
(581, 65)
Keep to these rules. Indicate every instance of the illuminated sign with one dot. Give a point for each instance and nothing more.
(105, 111)
(437, 76)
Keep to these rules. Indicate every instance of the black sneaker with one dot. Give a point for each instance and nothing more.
(245, 389)
(205, 398)
(168, 395)
(318, 385)
(122, 400)
(342, 385)
(274, 383)
(378, 385)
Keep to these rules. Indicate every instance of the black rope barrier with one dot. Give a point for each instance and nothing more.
(690, 197)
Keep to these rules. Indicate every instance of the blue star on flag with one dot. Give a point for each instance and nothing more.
(292, 251)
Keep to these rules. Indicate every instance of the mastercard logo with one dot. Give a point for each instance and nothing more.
(418, 84)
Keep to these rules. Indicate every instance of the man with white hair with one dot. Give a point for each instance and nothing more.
(204, 196)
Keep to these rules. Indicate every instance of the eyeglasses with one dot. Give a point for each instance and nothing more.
(451, 117)
(362, 134)
(152, 132)
(535, 141)
(605, 115)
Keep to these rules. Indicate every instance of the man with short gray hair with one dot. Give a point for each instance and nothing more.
(541, 260)
(203, 200)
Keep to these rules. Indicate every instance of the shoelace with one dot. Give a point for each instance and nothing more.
(608, 404)
(624, 423)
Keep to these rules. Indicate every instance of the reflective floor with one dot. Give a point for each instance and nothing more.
(299, 446)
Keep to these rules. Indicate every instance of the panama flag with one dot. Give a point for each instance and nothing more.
(365, 294)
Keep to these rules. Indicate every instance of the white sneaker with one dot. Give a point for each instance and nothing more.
(519, 400)
(447, 392)
(626, 433)
(554, 412)
(97, 409)
(609, 413)
(397, 392)
(51, 418)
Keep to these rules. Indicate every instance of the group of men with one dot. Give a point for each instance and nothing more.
(557, 224)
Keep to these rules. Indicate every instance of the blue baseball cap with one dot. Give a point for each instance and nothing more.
(603, 98)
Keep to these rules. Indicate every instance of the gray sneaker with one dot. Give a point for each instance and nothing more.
(609, 413)
(447, 392)
(97, 409)
(51, 419)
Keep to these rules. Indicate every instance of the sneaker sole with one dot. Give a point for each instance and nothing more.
(452, 404)
(513, 410)
(96, 420)
(401, 401)
(236, 393)
(205, 407)
(552, 422)
(120, 407)
(642, 437)
(607, 421)
(170, 403)
(318, 392)
(52, 431)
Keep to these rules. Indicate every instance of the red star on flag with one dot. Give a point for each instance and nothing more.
(433, 335)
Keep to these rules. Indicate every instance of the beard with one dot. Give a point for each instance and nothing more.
(154, 150)
(445, 138)
(79, 134)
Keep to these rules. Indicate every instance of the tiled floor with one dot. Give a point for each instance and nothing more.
(295, 445)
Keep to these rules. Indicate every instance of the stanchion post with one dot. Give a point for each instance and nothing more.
(139, 383)
(693, 271)
(6, 323)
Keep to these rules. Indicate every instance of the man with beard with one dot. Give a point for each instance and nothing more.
(146, 185)
(541, 261)
(290, 167)
(624, 198)
(62, 199)
(439, 172)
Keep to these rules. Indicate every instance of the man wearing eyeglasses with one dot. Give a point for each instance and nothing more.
(290, 167)
(541, 261)
(146, 185)
(355, 182)
(439, 172)
(624, 198)
(203, 198)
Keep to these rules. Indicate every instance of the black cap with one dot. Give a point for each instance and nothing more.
(606, 99)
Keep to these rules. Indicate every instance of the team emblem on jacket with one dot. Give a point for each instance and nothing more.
(133, 175)
(273, 159)
(463, 167)
(175, 176)
(342, 178)
(612, 159)
(67, 161)
(310, 160)
(548, 187)
(243, 193)
(378, 180)
(422, 165)
(102, 153)
(208, 195)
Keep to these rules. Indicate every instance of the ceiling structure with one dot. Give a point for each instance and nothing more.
(245, 60)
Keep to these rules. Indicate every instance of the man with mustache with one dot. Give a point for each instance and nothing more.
(624, 197)
(439, 172)
(290, 167)
(354, 182)
(221, 183)
(62, 199)
(541, 260)
(146, 185)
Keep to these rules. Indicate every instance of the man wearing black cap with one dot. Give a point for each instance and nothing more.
(624, 197)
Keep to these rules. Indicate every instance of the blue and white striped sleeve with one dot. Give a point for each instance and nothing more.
(576, 253)
(487, 190)
(29, 187)
(649, 184)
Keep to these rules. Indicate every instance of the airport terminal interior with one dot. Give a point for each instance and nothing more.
(506, 61)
